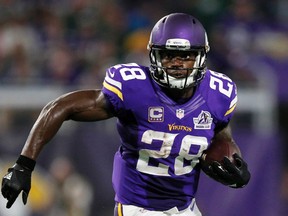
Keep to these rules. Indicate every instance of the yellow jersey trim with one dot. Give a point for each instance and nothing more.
(113, 89)
(230, 110)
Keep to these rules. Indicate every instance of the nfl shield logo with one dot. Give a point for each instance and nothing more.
(180, 113)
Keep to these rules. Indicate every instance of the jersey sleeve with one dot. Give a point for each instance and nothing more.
(121, 84)
(223, 97)
(112, 88)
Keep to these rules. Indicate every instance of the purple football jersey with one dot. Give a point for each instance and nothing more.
(157, 165)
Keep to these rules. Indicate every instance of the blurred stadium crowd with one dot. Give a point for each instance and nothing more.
(68, 44)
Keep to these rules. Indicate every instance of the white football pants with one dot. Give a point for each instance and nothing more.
(130, 210)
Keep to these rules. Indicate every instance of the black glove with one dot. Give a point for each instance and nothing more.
(18, 179)
(234, 175)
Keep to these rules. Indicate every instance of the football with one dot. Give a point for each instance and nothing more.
(217, 150)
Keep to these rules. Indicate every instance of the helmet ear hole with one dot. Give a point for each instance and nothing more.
(160, 73)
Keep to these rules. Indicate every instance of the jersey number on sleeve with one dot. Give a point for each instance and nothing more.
(131, 71)
(190, 150)
(218, 79)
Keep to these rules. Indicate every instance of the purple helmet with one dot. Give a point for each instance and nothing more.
(180, 32)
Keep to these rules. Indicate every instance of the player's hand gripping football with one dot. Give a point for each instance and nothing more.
(235, 175)
(16, 180)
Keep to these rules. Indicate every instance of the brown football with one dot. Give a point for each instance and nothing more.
(218, 149)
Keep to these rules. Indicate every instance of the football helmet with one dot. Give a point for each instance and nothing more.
(178, 32)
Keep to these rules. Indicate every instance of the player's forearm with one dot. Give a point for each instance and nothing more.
(79, 106)
(224, 134)
(44, 129)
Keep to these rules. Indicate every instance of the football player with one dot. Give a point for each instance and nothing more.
(167, 114)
